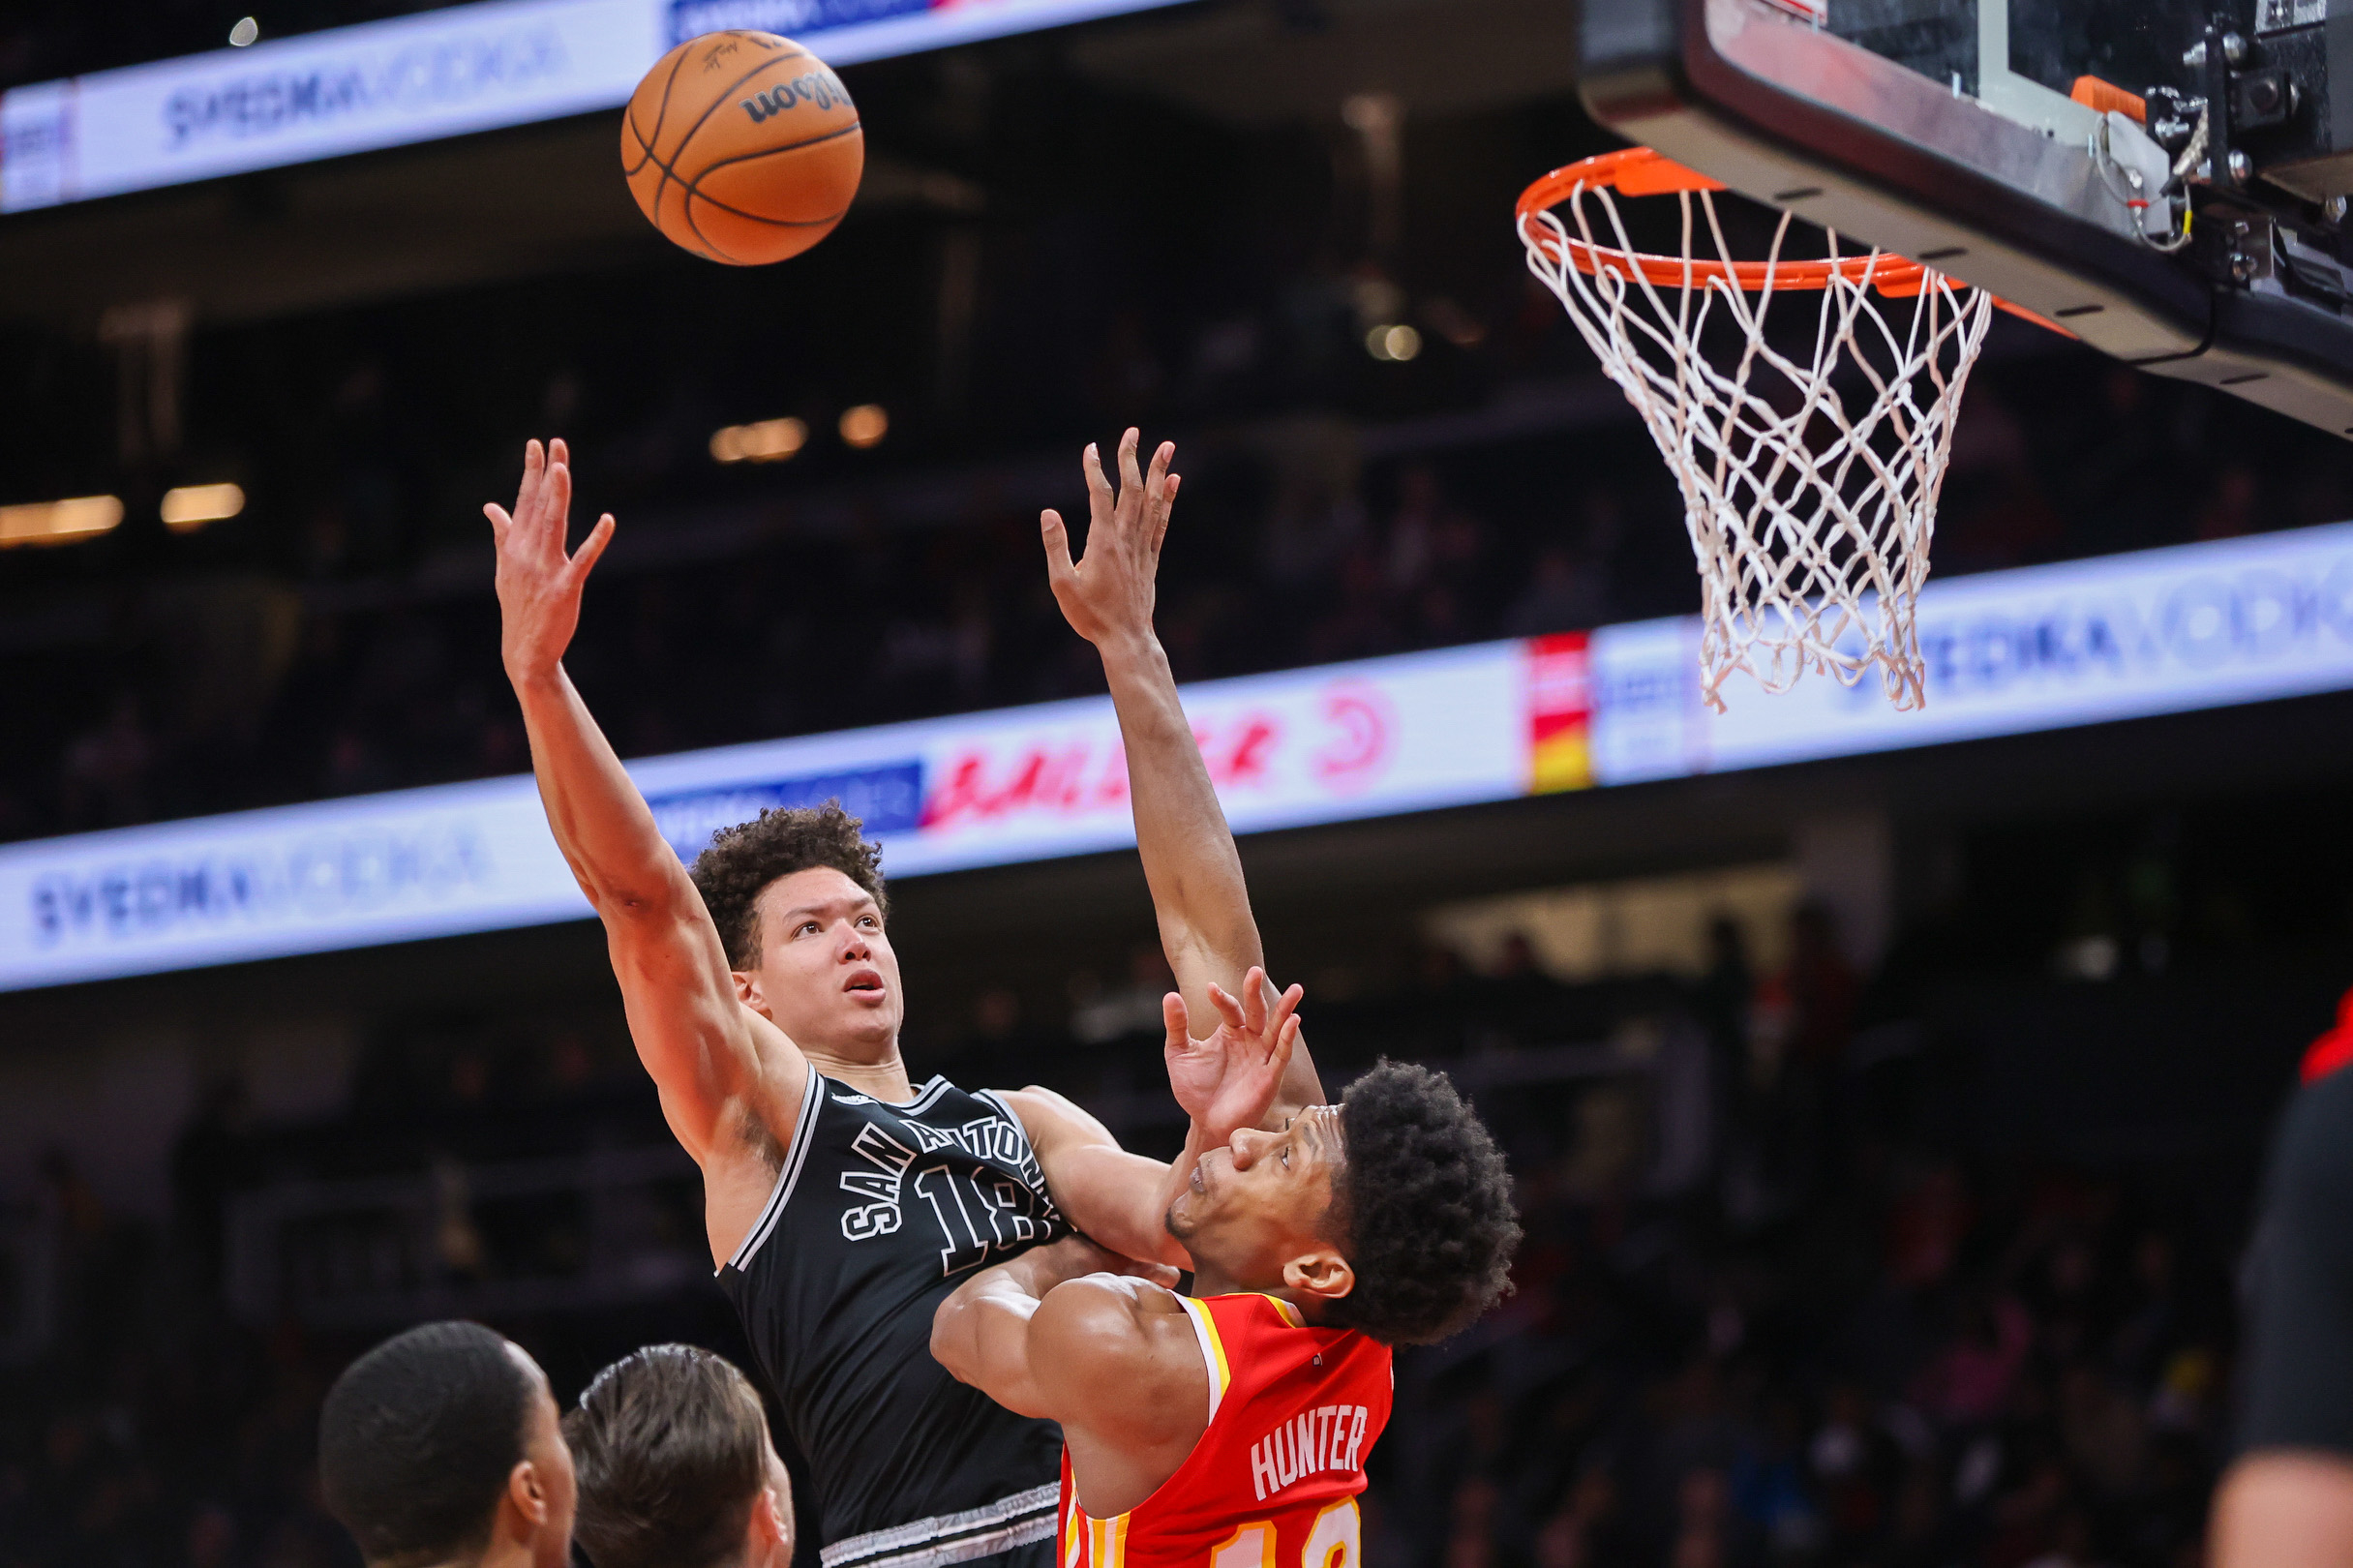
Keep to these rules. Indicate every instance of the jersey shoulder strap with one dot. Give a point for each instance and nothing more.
(788, 1174)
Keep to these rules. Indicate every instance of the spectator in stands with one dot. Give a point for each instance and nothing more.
(442, 1446)
(676, 1468)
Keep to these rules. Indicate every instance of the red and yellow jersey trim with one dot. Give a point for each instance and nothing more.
(1213, 1354)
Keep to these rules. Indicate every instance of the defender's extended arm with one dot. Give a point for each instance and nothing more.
(1197, 893)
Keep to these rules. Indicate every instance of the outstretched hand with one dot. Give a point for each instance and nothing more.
(1229, 1081)
(539, 586)
(1109, 594)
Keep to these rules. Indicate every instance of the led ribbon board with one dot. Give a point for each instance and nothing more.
(416, 78)
(2043, 648)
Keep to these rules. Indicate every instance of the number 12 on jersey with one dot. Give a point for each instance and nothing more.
(1333, 1543)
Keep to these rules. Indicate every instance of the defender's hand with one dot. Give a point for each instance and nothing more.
(539, 587)
(1229, 1081)
(1109, 596)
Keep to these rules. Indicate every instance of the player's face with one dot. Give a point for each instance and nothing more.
(551, 1459)
(827, 974)
(1254, 1214)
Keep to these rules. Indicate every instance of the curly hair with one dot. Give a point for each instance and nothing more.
(744, 859)
(1423, 1210)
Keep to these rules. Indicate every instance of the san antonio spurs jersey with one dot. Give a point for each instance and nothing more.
(879, 1212)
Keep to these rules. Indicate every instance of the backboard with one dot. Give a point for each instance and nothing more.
(2167, 179)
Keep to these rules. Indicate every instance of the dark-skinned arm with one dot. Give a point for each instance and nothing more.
(1057, 1333)
(1198, 895)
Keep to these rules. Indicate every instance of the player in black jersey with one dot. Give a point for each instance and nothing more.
(842, 1200)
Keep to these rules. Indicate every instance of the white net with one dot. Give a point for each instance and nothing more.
(1809, 470)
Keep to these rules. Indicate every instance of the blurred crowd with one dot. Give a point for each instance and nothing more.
(1850, 1331)
(331, 673)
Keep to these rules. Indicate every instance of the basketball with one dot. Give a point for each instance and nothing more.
(742, 147)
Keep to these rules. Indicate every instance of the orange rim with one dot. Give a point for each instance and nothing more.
(1638, 171)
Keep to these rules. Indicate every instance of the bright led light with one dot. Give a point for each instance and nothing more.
(770, 441)
(59, 521)
(864, 425)
(1392, 342)
(191, 506)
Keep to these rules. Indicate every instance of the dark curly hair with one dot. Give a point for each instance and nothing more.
(1423, 1211)
(744, 859)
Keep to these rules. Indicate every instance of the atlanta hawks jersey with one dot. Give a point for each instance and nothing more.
(1272, 1482)
(879, 1212)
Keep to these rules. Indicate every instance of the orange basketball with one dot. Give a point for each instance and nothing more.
(742, 147)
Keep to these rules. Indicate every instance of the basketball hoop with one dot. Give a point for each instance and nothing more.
(1810, 507)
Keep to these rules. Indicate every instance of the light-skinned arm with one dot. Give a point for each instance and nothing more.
(1207, 929)
(726, 1075)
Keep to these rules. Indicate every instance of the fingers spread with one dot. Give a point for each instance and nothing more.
(1254, 1000)
(1130, 478)
(593, 546)
(1227, 1008)
(1172, 1014)
(1099, 489)
(1159, 524)
(1057, 545)
(555, 502)
(529, 490)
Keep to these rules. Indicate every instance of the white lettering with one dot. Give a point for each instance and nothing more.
(1356, 1439)
(1262, 1468)
(879, 1214)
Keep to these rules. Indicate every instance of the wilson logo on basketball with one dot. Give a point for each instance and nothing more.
(820, 88)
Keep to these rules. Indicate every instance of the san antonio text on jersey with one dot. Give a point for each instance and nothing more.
(879, 1212)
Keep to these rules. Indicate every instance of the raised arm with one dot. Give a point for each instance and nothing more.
(1197, 893)
(1223, 1080)
(721, 1069)
(1111, 1357)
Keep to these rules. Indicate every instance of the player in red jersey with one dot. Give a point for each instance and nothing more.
(1231, 1430)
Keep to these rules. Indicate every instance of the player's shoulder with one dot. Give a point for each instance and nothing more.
(1119, 1347)
(1112, 1319)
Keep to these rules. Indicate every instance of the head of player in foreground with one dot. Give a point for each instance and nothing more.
(442, 1446)
(676, 1469)
(1390, 1211)
(797, 898)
